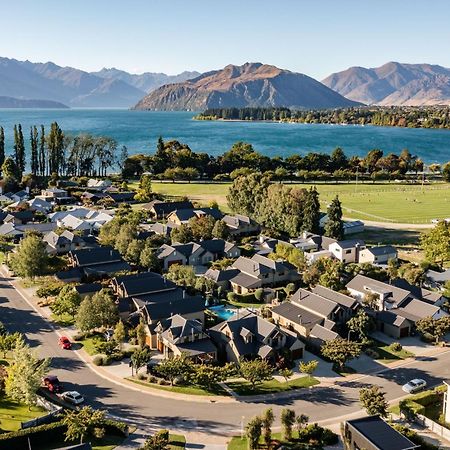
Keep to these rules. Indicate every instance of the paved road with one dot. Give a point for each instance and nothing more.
(150, 411)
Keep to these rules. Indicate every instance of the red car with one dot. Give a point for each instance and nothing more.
(65, 343)
(52, 383)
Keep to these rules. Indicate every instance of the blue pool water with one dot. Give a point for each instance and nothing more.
(222, 312)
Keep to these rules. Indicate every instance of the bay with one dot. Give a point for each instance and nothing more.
(139, 131)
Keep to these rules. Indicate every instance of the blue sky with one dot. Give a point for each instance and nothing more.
(316, 37)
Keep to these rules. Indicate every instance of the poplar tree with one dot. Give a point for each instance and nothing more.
(334, 227)
(34, 163)
(19, 149)
(42, 153)
(2, 146)
(311, 212)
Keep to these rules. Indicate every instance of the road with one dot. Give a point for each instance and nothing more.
(151, 412)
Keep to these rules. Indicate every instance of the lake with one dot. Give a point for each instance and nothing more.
(139, 131)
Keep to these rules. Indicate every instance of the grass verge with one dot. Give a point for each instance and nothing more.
(388, 355)
(273, 386)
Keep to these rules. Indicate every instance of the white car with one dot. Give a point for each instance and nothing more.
(73, 397)
(414, 385)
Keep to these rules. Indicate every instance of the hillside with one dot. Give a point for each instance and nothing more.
(252, 84)
(11, 102)
(77, 88)
(394, 84)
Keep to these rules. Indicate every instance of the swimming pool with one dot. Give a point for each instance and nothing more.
(222, 312)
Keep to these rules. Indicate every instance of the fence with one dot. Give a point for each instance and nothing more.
(52, 409)
(433, 426)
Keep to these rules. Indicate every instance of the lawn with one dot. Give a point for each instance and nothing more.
(64, 320)
(176, 442)
(388, 355)
(89, 344)
(385, 202)
(189, 390)
(12, 413)
(272, 386)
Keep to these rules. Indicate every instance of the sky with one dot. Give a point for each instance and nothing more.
(315, 37)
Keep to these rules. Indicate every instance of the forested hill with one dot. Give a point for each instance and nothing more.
(412, 117)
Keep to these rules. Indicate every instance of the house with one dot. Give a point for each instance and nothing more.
(182, 216)
(91, 223)
(39, 205)
(353, 227)
(163, 229)
(197, 254)
(85, 289)
(260, 271)
(18, 231)
(160, 210)
(373, 433)
(178, 336)
(310, 242)
(248, 336)
(19, 217)
(265, 245)
(121, 197)
(437, 279)
(21, 196)
(432, 297)
(79, 212)
(240, 225)
(51, 194)
(93, 197)
(347, 251)
(378, 255)
(392, 324)
(98, 185)
(221, 277)
(63, 243)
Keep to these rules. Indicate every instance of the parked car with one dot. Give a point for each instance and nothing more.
(52, 383)
(414, 385)
(65, 343)
(73, 397)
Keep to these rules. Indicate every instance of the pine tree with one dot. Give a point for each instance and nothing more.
(334, 227)
(34, 163)
(311, 212)
(2, 146)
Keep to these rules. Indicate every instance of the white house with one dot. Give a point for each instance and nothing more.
(347, 251)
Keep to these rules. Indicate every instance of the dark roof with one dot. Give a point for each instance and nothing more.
(158, 311)
(391, 318)
(221, 275)
(22, 215)
(185, 214)
(246, 281)
(122, 196)
(198, 347)
(380, 434)
(315, 303)
(144, 283)
(161, 296)
(70, 274)
(88, 288)
(97, 255)
(322, 333)
(350, 243)
(297, 314)
(418, 292)
(164, 208)
(107, 268)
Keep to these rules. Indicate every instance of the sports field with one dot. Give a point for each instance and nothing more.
(392, 203)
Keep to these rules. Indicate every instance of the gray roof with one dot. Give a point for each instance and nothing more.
(175, 328)
(337, 297)
(221, 275)
(351, 243)
(391, 318)
(296, 314)
(438, 277)
(382, 250)
(322, 333)
(418, 292)
(315, 303)
(246, 281)
(163, 310)
(415, 310)
(198, 347)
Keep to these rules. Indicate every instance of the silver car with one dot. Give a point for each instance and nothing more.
(73, 397)
(415, 385)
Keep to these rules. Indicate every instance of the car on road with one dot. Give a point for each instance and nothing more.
(52, 383)
(73, 397)
(65, 343)
(415, 385)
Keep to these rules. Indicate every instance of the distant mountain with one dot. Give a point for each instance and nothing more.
(77, 88)
(11, 102)
(394, 84)
(147, 81)
(252, 84)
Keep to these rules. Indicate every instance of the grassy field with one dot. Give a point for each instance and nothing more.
(271, 386)
(12, 413)
(388, 202)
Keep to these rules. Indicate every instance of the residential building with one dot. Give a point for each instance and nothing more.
(63, 243)
(437, 280)
(247, 336)
(160, 210)
(19, 217)
(353, 227)
(182, 216)
(240, 225)
(99, 185)
(178, 336)
(221, 277)
(347, 251)
(378, 255)
(373, 433)
(163, 229)
(85, 289)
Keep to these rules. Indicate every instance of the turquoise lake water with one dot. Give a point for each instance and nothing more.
(139, 131)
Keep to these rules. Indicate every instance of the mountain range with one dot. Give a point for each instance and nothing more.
(11, 102)
(77, 88)
(252, 84)
(394, 84)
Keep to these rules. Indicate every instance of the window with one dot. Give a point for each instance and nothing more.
(347, 252)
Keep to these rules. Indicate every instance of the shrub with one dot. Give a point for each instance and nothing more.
(163, 382)
(231, 296)
(259, 294)
(152, 379)
(79, 336)
(142, 376)
(396, 347)
(97, 360)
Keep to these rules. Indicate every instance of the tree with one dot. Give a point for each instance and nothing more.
(174, 367)
(42, 152)
(97, 311)
(301, 421)
(436, 243)
(326, 272)
(268, 418)
(2, 146)
(202, 227)
(19, 149)
(67, 302)
(256, 371)
(436, 328)
(25, 373)
(31, 258)
(141, 333)
(134, 250)
(253, 432)
(309, 367)
(34, 158)
(372, 300)
(157, 441)
(221, 230)
(286, 373)
(84, 422)
(140, 358)
(208, 375)
(340, 351)
(144, 193)
(334, 227)
(373, 399)
(148, 258)
(287, 423)
(181, 234)
(359, 324)
(182, 275)
(119, 333)
(8, 342)
(311, 213)
(446, 172)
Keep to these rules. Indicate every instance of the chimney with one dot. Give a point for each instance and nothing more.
(299, 319)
